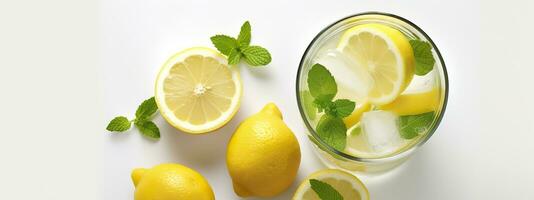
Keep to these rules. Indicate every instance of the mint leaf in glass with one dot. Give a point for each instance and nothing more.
(321, 83)
(411, 126)
(424, 60)
(333, 131)
(324, 190)
(344, 107)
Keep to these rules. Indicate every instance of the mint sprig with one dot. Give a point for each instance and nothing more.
(323, 89)
(411, 126)
(324, 190)
(235, 49)
(424, 60)
(142, 120)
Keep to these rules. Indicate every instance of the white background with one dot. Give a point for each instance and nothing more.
(67, 67)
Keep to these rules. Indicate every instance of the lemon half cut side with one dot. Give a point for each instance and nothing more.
(346, 184)
(197, 91)
(387, 56)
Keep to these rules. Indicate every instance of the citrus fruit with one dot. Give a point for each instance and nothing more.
(414, 103)
(386, 54)
(263, 155)
(197, 92)
(356, 115)
(346, 184)
(170, 182)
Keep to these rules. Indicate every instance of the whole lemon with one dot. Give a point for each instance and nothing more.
(263, 155)
(170, 182)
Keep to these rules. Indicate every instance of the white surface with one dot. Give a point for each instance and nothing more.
(62, 81)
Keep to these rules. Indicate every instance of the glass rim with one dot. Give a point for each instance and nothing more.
(377, 159)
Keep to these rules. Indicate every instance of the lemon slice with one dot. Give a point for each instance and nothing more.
(356, 115)
(386, 54)
(346, 184)
(414, 103)
(197, 92)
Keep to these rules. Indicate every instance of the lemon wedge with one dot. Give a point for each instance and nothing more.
(346, 184)
(414, 103)
(386, 54)
(197, 92)
(356, 115)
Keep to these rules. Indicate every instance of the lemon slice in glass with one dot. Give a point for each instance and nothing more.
(197, 92)
(414, 103)
(386, 54)
(346, 184)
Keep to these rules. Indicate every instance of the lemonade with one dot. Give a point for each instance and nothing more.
(371, 88)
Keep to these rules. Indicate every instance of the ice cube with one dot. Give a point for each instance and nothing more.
(423, 83)
(381, 132)
(353, 81)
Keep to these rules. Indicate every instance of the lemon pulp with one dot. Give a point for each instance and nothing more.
(386, 55)
(197, 91)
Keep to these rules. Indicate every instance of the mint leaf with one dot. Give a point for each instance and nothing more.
(224, 43)
(119, 124)
(243, 39)
(234, 57)
(324, 106)
(333, 131)
(411, 126)
(321, 83)
(256, 55)
(146, 109)
(240, 47)
(324, 190)
(344, 107)
(148, 129)
(424, 60)
(307, 103)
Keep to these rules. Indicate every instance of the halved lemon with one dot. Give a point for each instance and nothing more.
(197, 92)
(386, 54)
(346, 184)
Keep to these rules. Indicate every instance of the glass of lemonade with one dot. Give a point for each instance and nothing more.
(371, 89)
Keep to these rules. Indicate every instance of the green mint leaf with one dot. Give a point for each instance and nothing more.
(243, 39)
(333, 131)
(424, 60)
(411, 126)
(146, 109)
(256, 55)
(324, 190)
(321, 83)
(234, 57)
(344, 107)
(307, 103)
(224, 43)
(119, 124)
(323, 105)
(148, 128)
